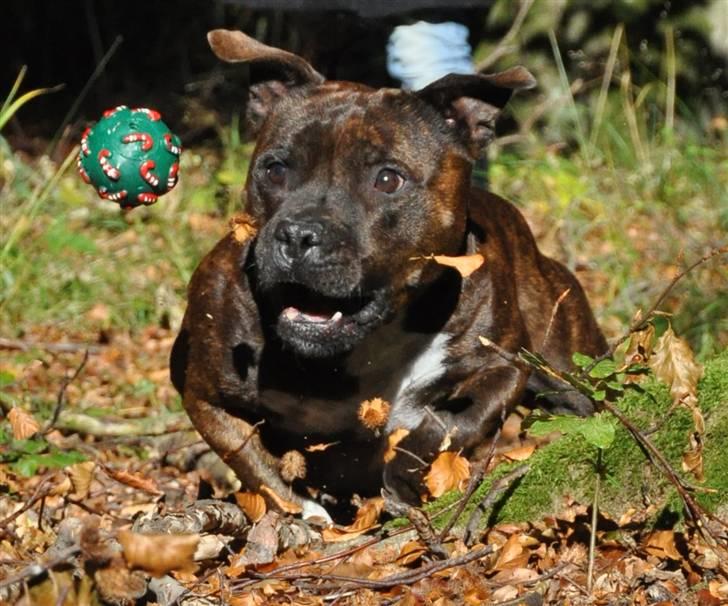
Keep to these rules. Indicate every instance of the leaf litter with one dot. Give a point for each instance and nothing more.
(83, 517)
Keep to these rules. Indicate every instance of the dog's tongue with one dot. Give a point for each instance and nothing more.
(293, 314)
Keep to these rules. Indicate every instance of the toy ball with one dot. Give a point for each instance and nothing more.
(130, 156)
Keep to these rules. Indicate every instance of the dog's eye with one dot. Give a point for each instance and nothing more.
(388, 181)
(276, 172)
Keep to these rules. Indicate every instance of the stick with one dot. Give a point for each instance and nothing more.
(62, 393)
(496, 490)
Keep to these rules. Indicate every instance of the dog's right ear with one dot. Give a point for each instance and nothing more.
(273, 72)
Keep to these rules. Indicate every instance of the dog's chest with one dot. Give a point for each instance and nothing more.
(319, 402)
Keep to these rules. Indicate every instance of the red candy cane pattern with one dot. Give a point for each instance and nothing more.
(110, 171)
(84, 142)
(115, 197)
(172, 176)
(82, 171)
(151, 114)
(145, 138)
(146, 198)
(112, 111)
(147, 175)
(171, 147)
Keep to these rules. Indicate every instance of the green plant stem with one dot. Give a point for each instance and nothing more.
(37, 198)
(594, 521)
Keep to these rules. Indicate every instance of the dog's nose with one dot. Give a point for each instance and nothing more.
(296, 238)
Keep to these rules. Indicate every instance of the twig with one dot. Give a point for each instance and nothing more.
(554, 311)
(640, 322)
(84, 91)
(475, 479)
(419, 520)
(504, 45)
(62, 393)
(594, 521)
(493, 494)
(405, 578)
(37, 569)
(17, 344)
(40, 493)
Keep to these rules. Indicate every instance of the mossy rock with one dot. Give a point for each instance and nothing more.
(566, 467)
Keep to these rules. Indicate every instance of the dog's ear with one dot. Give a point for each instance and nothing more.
(473, 101)
(273, 72)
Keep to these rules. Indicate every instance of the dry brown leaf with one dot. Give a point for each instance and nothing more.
(253, 598)
(280, 502)
(521, 453)
(447, 472)
(368, 514)
(661, 543)
(81, 475)
(293, 466)
(410, 553)
(158, 553)
(511, 551)
(465, 265)
(393, 439)
(133, 480)
(640, 346)
(22, 423)
(374, 413)
(673, 363)
(252, 504)
(320, 447)
(366, 519)
(243, 228)
(692, 459)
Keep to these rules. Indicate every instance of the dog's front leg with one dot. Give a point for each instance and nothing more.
(469, 415)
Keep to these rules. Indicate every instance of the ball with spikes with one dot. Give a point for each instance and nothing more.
(130, 156)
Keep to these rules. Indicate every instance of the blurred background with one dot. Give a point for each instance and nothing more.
(619, 158)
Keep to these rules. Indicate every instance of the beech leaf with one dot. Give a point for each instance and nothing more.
(448, 471)
(158, 553)
(22, 423)
(252, 504)
(465, 265)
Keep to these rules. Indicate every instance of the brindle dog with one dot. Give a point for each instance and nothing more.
(336, 299)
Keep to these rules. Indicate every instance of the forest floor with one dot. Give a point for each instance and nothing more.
(93, 436)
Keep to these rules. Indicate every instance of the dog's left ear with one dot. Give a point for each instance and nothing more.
(474, 101)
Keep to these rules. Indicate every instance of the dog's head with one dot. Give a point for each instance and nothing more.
(353, 187)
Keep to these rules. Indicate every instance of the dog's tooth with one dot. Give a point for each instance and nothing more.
(291, 313)
(337, 316)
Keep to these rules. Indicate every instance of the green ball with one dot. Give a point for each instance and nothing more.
(130, 156)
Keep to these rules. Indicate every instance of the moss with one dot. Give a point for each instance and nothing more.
(566, 467)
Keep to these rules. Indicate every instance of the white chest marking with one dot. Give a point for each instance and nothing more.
(425, 369)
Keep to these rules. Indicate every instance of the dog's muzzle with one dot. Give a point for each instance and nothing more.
(312, 280)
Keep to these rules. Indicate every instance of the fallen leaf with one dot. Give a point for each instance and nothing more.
(320, 447)
(81, 475)
(661, 543)
(243, 228)
(393, 439)
(374, 413)
(22, 423)
(133, 480)
(511, 551)
(252, 504)
(261, 544)
(521, 453)
(465, 265)
(410, 553)
(366, 518)
(447, 472)
(158, 553)
(293, 466)
(280, 502)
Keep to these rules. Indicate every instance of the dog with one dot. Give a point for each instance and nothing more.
(337, 299)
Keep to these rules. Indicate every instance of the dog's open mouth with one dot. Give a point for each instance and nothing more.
(318, 325)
